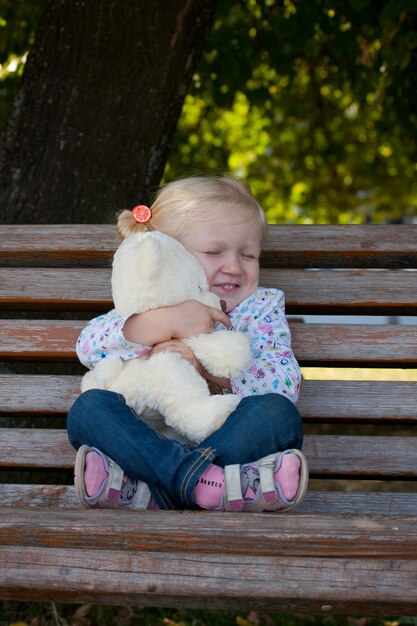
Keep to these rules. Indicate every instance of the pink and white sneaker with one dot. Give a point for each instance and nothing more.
(101, 484)
(277, 482)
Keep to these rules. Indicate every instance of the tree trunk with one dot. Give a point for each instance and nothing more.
(100, 98)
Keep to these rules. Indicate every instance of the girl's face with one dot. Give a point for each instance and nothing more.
(229, 252)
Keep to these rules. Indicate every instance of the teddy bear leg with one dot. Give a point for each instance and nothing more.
(88, 381)
(130, 385)
(211, 414)
(183, 396)
(103, 374)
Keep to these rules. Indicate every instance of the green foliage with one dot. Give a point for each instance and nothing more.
(18, 21)
(314, 103)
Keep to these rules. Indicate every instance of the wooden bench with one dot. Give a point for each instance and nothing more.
(350, 548)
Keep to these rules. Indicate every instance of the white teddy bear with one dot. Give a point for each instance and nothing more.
(152, 270)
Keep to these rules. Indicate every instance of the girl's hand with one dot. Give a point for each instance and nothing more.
(191, 318)
(186, 319)
(176, 345)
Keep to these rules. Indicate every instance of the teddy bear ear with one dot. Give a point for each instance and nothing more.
(149, 256)
(135, 266)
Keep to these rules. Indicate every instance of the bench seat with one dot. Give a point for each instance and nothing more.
(349, 548)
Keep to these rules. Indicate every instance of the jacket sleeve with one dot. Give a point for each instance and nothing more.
(102, 337)
(273, 368)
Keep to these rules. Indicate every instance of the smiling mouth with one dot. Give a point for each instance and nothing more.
(227, 286)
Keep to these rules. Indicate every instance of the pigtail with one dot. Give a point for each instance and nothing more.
(134, 221)
(126, 224)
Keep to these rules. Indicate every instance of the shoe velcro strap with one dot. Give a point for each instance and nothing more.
(141, 497)
(233, 489)
(266, 476)
(114, 483)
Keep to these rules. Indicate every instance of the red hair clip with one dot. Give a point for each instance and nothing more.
(141, 213)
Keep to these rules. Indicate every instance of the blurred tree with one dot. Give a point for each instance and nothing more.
(315, 103)
(98, 102)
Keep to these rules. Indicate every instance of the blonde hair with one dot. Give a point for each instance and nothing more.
(197, 198)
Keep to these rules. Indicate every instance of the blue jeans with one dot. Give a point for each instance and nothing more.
(260, 425)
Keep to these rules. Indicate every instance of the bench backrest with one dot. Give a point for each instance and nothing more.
(358, 433)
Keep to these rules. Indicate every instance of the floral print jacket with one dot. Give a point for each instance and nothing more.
(273, 367)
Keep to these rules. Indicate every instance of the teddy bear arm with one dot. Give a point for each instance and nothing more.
(223, 353)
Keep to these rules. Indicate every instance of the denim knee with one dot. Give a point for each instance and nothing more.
(260, 425)
(80, 411)
(274, 404)
(84, 402)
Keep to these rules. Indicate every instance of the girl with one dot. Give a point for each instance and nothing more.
(123, 462)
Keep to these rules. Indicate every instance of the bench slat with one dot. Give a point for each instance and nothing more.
(39, 339)
(55, 289)
(371, 457)
(287, 245)
(337, 246)
(300, 535)
(320, 400)
(306, 291)
(369, 586)
(359, 503)
(347, 291)
(354, 344)
(56, 497)
(358, 401)
(338, 344)
(33, 394)
(63, 245)
(62, 497)
(328, 455)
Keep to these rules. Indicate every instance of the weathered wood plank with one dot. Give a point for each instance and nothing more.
(367, 586)
(354, 344)
(307, 291)
(335, 344)
(283, 535)
(34, 394)
(38, 497)
(287, 245)
(340, 246)
(328, 455)
(35, 448)
(347, 291)
(358, 401)
(349, 503)
(62, 497)
(370, 457)
(320, 400)
(39, 339)
(62, 245)
(55, 288)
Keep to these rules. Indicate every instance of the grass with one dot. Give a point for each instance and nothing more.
(51, 614)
